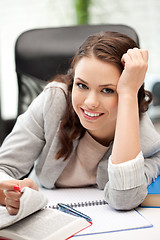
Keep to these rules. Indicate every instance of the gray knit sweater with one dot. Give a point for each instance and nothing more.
(35, 140)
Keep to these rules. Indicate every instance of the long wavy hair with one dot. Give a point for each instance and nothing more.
(108, 47)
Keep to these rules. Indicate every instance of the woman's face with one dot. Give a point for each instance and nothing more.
(94, 97)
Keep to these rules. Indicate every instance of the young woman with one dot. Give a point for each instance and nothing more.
(88, 127)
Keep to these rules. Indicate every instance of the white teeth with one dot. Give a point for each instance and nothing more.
(91, 114)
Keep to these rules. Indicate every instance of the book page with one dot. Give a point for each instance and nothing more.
(46, 224)
(31, 201)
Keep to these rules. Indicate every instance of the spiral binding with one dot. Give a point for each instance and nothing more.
(81, 204)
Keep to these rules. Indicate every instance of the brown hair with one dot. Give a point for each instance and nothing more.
(108, 47)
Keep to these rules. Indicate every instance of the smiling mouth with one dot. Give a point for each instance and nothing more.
(91, 115)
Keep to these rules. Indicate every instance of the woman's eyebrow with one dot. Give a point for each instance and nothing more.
(81, 80)
(103, 85)
(108, 85)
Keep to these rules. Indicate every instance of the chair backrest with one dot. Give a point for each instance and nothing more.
(40, 54)
(5, 125)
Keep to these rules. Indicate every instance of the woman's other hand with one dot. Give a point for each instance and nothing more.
(135, 63)
(10, 197)
(127, 138)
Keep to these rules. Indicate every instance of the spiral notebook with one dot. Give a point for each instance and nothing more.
(90, 201)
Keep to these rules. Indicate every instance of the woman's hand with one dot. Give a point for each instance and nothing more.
(135, 66)
(126, 144)
(11, 197)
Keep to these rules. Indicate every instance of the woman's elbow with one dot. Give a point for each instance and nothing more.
(125, 199)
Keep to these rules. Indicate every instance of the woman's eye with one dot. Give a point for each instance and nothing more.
(108, 90)
(82, 86)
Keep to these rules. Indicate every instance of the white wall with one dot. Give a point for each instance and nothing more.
(142, 15)
(17, 16)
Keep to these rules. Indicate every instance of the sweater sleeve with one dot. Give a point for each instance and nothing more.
(124, 195)
(23, 145)
(127, 175)
(128, 182)
(26, 141)
(126, 188)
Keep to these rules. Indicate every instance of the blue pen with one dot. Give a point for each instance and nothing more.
(67, 209)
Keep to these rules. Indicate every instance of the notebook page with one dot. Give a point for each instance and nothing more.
(104, 218)
(72, 195)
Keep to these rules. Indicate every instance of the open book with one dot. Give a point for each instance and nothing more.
(35, 222)
(90, 201)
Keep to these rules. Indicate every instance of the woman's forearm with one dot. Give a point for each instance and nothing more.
(127, 140)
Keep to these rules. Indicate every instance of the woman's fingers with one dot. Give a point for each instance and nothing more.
(135, 54)
(14, 185)
(125, 58)
(8, 185)
(12, 201)
(11, 210)
(29, 183)
(135, 63)
(145, 54)
(12, 193)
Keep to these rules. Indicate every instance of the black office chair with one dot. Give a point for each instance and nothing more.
(156, 93)
(5, 125)
(40, 54)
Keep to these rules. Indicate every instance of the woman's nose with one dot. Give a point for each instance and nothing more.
(91, 100)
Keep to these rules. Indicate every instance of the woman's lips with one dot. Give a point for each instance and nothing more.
(90, 114)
